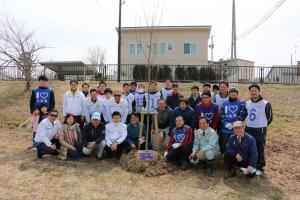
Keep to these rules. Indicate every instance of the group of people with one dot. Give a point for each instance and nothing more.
(200, 129)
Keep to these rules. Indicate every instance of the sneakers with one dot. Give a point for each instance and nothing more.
(259, 172)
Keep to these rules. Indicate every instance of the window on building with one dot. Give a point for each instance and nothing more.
(135, 49)
(190, 48)
(162, 48)
(154, 48)
(170, 47)
(139, 49)
(132, 49)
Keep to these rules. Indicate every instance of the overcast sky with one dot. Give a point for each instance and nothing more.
(72, 26)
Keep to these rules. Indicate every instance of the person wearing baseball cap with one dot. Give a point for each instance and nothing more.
(93, 138)
(241, 152)
(232, 110)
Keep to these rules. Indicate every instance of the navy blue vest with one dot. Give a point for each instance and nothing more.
(209, 113)
(42, 96)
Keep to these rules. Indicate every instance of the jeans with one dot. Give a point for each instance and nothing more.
(43, 149)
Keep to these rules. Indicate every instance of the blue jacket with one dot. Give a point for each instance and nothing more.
(133, 133)
(247, 148)
(231, 111)
(188, 115)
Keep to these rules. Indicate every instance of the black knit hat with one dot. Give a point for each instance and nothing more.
(233, 89)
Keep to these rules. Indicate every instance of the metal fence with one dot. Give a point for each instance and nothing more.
(180, 73)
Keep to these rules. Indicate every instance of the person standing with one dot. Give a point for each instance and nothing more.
(92, 104)
(130, 100)
(186, 112)
(73, 102)
(195, 97)
(139, 98)
(259, 117)
(167, 90)
(232, 110)
(85, 89)
(173, 100)
(223, 94)
(101, 88)
(117, 104)
(133, 90)
(208, 109)
(42, 95)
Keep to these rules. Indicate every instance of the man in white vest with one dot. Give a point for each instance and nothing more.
(167, 90)
(130, 100)
(259, 117)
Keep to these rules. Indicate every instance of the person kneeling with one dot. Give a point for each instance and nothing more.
(206, 146)
(70, 139)
(115, 135)
(180, 145)
(46, 138)
(133, 133)
(93, 139)
(241, 151)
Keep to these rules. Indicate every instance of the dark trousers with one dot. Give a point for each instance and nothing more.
(179, 154)
(225, 140)
(43, 149)
(33, 135)
(259, 135)
(117, 153)
(78, 121)
(230, 162)
(76, 154)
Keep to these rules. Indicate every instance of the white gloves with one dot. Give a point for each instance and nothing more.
(228, 126)
(176, 145)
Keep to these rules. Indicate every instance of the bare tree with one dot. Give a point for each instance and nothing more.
(96, 56)
(18, 48)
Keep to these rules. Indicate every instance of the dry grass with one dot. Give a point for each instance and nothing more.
(23, 178)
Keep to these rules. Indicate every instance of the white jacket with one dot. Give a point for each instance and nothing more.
(46, 131)
(73, 104)
(115, 133)
(89, 107)
(112, 106)
(130, 98)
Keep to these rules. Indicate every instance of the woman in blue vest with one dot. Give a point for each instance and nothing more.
(42, 95)
(232, 110)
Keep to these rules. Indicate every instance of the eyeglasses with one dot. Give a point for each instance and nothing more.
(52, 115)
(117, 95)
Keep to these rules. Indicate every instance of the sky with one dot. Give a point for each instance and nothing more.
(70, 27)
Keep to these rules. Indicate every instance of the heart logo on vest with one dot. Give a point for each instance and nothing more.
(44, 95)
(233, 109)
(180, 137)
(209, 116)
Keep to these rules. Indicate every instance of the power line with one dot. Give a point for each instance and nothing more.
(104, 13)
(260, 22)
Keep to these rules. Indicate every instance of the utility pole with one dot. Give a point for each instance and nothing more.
(212, 46)
(233, 37)
(119, 41)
